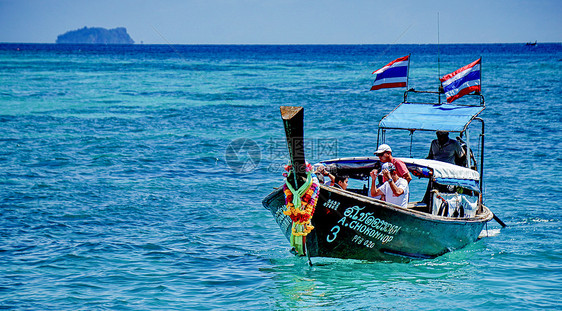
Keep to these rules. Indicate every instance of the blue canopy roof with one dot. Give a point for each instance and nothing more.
(429, 117)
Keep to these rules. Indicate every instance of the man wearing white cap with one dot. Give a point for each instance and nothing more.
(385, 155)
(395, 190)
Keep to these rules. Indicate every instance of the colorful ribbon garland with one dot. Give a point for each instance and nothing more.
(300, 205)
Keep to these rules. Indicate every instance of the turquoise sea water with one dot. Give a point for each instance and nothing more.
(116, 194)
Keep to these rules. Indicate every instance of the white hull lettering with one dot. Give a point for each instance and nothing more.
(331, 204)
(368, 226)
(368, 219)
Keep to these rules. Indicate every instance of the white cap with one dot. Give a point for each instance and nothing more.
(382, 149)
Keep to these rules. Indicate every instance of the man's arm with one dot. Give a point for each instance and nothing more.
(430, 155)
(403, 170)
(408, 177)
(397, 191)
(460, 154)
(459, 149)
(374, 191)
(332, 178)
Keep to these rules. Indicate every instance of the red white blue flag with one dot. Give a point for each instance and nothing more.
(462, 81)
(395, 74)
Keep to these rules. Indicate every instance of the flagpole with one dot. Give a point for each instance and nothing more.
(438, 61)
(408, 73)
(481, 74)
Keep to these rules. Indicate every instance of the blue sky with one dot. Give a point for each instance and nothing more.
(288, 21)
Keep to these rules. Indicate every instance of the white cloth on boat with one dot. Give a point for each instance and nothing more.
(445, 170)
(455, 203)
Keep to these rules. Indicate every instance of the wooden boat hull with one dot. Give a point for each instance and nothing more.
(348, 225)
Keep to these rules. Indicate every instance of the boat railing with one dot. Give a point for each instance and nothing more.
(439, 101)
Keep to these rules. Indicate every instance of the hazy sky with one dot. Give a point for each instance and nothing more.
(288, 21)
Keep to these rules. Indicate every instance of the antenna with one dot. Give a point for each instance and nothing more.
(438, 60)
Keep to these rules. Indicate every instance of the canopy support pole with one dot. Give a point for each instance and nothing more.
(481, 154)
(411, 141)
(468, 150)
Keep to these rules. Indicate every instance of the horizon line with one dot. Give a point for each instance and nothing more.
(273, 44)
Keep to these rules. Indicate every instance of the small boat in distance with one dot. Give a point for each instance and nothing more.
(351, 224)
(531, 43)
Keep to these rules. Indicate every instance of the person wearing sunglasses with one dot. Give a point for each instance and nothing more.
(395, 190)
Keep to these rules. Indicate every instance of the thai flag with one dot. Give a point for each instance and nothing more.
(395, 74)
(463, 81)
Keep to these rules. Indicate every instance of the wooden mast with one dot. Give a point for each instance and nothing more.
(293, 121)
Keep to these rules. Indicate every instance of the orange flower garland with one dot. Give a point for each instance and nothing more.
(301, 209)
(303, 214)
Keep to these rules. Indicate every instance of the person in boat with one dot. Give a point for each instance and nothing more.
(384, 152)
(341, 182)
(445, 149)
(395, 190)
(322, 173)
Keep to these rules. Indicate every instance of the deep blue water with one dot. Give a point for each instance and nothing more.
(115, 192)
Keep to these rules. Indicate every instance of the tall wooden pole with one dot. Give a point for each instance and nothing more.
(293, 121)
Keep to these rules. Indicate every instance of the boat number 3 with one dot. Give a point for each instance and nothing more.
(334, 231)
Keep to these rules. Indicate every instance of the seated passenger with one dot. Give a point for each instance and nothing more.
(395, 190)
(341, 182)
(445, 149)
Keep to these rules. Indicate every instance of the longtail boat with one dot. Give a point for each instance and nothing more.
(349, 223)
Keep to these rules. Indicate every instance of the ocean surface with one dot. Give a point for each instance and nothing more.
(119, 191)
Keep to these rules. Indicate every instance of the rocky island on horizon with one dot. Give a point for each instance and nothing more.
(96, 35)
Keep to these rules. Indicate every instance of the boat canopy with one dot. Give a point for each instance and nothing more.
(444, 170)
(430, 117)
(446, 173)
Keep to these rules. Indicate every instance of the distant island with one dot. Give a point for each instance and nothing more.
(96, 35)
